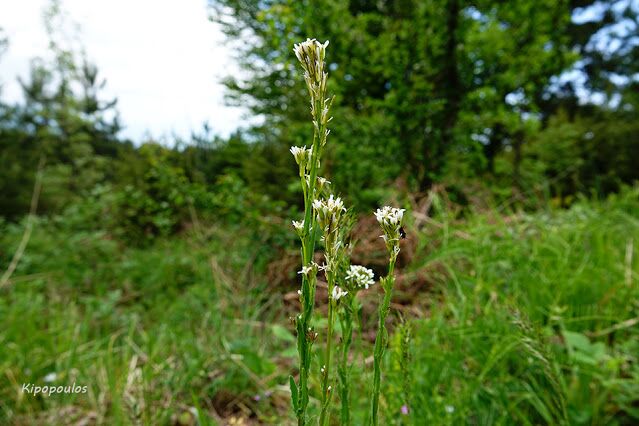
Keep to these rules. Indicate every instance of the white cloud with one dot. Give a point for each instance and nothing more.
(163, 60)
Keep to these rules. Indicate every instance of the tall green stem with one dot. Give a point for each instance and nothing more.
(311, 56)
(343, 371)
(304, 337)
(381, 340)
(326, 392)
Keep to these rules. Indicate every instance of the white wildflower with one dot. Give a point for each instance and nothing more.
(311, 55)
(390, 216)
(302, 155)
(322, 182)
(360, 277)
(298, 225)
(338, 293)
(328, 212)
(390, 219)
(309, 270)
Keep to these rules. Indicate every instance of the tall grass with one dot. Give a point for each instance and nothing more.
(159, 335)
(537, 320)
(523, 319)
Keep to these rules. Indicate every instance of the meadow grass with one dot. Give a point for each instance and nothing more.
(529, 319)
(535, 320)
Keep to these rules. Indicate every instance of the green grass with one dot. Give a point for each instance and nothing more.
(524, 331)
(532, 319)
(92, 312)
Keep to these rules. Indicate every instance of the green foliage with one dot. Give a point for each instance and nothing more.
(415, 82)
(531, 319)
(92, 312)
(443, 90)
(509, 342)
(596, 152)
(64, 123)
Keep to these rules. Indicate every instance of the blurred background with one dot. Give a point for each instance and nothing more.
(146, 192)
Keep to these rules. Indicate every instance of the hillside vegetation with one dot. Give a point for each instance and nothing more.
(529, 318)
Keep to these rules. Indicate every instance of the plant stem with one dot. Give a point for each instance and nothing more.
(308, 289)
(381, 339)
(326, 393)
(311, 56)
(346, 322)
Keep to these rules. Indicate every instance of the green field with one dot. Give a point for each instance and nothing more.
(517, 318)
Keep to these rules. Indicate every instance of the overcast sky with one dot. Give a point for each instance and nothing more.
(163, 60)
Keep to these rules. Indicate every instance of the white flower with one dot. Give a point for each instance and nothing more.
(390, 216)
(338, 293)
(309, 270)
(359, 276)
(330, 205)
(322, 182)
(302, 155)
(311, 55)
(298, 225)
(390, 219)
(328, 212)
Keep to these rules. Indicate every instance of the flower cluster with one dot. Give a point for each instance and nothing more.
(360, 277)
(328, 213)
(390, 219)
(311, 55)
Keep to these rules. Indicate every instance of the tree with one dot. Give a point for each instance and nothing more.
(419, 84)
(63, 122)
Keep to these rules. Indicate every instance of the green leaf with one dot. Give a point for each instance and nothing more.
(293, 392)
(577, 341)
(282, 333)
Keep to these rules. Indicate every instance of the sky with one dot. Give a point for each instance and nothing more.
(163, 60)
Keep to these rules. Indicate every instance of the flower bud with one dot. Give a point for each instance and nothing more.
(328, 212)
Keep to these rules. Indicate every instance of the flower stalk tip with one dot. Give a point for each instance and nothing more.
(360, 277)
(391, 221)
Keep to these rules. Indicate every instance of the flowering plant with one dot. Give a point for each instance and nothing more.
(324, 218)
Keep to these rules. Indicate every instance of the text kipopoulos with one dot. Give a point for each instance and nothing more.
(50, 390)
